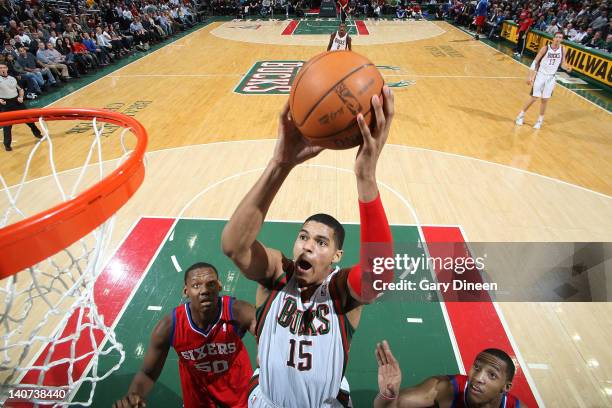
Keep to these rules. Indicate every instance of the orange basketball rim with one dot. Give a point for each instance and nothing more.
(36, 238)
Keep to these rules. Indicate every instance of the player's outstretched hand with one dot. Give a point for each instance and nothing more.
(131, 401)
(389, 372)
(291, 147)
(374, 140)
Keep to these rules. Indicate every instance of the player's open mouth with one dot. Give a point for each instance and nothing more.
(475, 389)
(303, 266)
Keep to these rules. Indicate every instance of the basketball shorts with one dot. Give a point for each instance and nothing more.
(480, 20)
(543, 86)
(258, 399)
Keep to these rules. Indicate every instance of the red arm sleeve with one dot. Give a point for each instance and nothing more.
(376, 242)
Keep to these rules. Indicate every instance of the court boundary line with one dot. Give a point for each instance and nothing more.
(243, 75)
(525, 66)
(132, 294)
(603, 195)
(57, 326)
(510, 336)
(316, 42)
(405, 202)
(130, 63)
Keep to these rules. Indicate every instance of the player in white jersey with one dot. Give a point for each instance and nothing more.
(340, 40)
(542, 76)
(307, 307)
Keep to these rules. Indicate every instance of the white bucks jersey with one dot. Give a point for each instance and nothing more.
(302, 347)
(551, 61)
(339, 43)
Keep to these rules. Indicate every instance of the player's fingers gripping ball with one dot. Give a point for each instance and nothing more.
(327, 95)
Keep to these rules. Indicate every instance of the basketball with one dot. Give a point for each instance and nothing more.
(327, 95)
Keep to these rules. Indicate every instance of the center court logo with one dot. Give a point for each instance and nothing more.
(276, 78)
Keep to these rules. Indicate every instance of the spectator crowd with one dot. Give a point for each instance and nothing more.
(586, 23)
(46, 43)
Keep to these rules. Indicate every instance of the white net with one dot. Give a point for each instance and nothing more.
(51, 333)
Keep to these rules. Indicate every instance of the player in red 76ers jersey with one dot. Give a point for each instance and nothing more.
(487, 385)
(206, 333)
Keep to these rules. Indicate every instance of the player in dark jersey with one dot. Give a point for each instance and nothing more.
(487, 385)
(206, 333)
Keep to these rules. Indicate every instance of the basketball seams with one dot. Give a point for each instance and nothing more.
(333, 136)
(331, 89)
(301, 73)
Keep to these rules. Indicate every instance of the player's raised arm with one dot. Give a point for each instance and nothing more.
(239, 239)
(154, 360)
(376, 239)
(427, 394)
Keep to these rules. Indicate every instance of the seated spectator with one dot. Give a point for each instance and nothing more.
(299, 9)
(496, 24)
(79, 50)
(580, 34)
(266, 8)
(74, 62)
(140, 34)
(52, 60)
(31, 64)
(588, 36)
(103, 39)
(596, 41)
(52, 38)
(569, 31)
(376, 9)
(163, 23)
(148, 22)
(601, 21)
(33, 83)
(553, 27)
(540, 24)
(44, 33)
(189, 16)
(9, 48)
(399, 11)
(609, 43)
(23, 37)
(93, 48)
(70, 32)
(253, 7)
(124, 42)
(35, 40)
(416, 11)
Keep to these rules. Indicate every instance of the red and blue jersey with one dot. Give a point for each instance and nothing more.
(460, 384)
(213, 364)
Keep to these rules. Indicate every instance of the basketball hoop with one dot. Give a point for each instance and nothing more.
(36, 238)
(50, 261)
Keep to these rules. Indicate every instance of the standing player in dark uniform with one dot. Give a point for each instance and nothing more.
(206, 334)
(11, 99)
(487, 385)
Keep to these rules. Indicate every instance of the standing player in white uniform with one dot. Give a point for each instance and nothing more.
(307, 307)
(542, 76)
(340, 40)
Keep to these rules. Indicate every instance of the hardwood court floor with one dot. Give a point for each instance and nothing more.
(453, 128)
